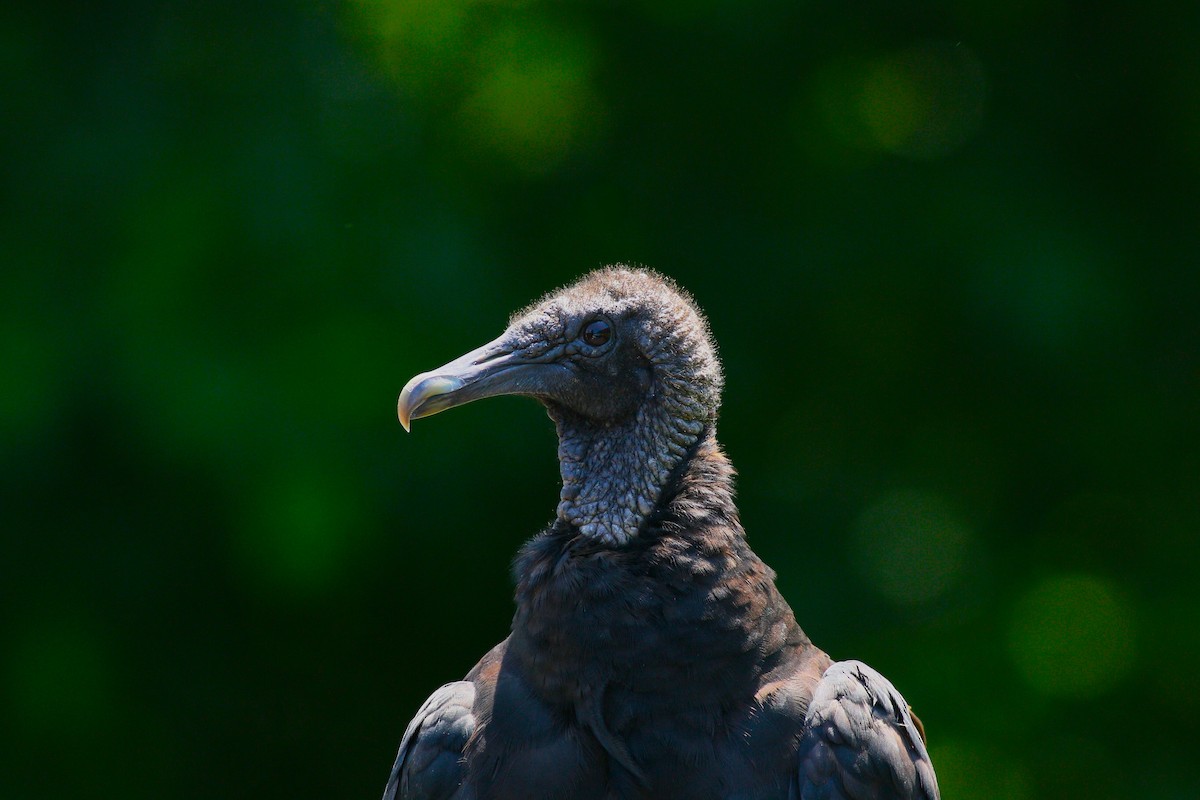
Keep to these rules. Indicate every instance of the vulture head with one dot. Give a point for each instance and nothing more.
(626, 367)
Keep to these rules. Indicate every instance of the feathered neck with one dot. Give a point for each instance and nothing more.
(589, 614)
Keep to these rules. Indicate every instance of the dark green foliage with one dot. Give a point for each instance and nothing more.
(950, 253)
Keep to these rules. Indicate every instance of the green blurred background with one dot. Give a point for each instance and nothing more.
(951, 253)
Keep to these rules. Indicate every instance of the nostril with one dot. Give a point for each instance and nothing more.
(491, 355)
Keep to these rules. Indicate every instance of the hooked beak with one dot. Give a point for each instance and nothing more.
(488, 371)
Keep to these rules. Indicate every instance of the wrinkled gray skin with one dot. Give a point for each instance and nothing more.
(651, 655)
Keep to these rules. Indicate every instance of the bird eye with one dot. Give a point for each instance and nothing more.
(596, 333)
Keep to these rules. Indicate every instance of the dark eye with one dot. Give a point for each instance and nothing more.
(596, 333)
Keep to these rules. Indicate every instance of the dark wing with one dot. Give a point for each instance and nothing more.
(428, 765)
(861, 742)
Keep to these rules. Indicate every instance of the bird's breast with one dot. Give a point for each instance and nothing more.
(671, 623)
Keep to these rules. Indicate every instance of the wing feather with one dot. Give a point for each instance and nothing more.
(428, 764)
(861, 742)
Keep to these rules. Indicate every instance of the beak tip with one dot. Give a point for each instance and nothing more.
(404, 410)
(415, 400)
(403, 414)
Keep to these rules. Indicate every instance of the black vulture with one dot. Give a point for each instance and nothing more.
(650, 655)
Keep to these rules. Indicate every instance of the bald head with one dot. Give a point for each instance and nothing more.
(624, 361)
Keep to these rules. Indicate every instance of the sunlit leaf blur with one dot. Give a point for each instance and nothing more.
(951, 253)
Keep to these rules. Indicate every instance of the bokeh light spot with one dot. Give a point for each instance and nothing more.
(1072, 636)
(924, 101)
(299, 535)
(894, 105)
(921, 102)
(415, 39)
(533, 104)
(911, 546)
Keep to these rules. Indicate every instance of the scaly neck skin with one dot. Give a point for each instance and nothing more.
(613, 475)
